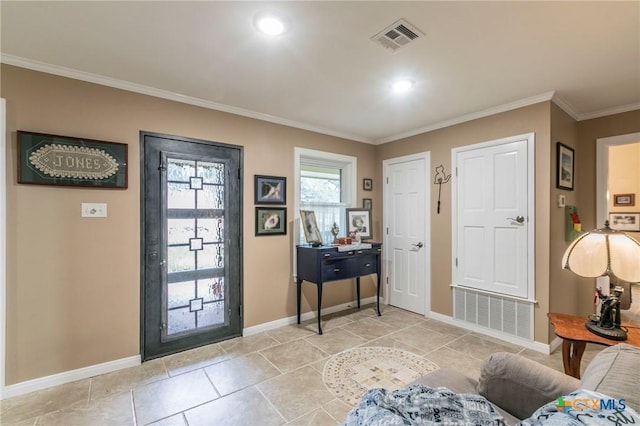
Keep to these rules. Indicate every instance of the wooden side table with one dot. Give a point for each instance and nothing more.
(575, 337)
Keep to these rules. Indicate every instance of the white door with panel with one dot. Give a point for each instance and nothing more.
(492, 217)
(407, 247)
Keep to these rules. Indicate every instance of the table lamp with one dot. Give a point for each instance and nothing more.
(605, 253)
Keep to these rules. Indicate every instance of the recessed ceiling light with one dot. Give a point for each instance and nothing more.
(402, 86)
(270, 25)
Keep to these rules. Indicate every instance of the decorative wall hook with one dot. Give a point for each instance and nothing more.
(441, 177)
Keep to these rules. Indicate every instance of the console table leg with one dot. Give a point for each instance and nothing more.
(572, 351)
(299, 296)
(319, 307)
(358, 290)
(378, 294)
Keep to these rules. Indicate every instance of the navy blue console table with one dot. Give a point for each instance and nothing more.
(326, 263)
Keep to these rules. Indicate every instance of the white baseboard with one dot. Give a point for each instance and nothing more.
(533, 345)
(69, 376)
(306, 316)
(107, 367)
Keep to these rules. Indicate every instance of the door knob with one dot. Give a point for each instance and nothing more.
(419, 245)
(519, 219)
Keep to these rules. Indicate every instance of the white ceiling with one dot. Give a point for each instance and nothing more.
(325, 74)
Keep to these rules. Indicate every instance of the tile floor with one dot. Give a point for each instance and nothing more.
(271, 378)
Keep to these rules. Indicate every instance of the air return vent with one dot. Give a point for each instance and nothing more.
(397, 35)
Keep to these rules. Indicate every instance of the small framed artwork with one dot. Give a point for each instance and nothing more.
(310, 226)
(367, 184)
(564, 166)
(64, 160)
(367, 203)
(359, 223)
(624, 200)
(625, 221)
(271, 221)
(270, 189)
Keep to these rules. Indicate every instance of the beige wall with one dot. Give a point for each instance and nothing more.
(577, 297)
(73, 284)
(624, 175)
(536, 119)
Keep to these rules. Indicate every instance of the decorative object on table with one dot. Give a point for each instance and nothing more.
(605, 253)
(350, 373)
(63, 160)
(310, 227)
(367, 184)
(271, 221)
(440, 178)
(624, 200)
(359, 223)
(343, 241)
(270, 189)
(367, 203)
(572, 225)
(335, 230)
(564, 166)
(625, 221)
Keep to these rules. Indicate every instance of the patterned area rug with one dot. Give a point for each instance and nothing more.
(351, 373)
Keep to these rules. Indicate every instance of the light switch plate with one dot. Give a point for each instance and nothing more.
(561, 201)
(94, 209)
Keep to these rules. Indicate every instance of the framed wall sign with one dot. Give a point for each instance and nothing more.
(63, 160)
(271, 221)
(270, 189)
(564, 166)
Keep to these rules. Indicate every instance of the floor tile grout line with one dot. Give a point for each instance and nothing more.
(271, 403)
(133, 407)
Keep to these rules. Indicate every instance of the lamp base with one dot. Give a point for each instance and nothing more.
(613, 333)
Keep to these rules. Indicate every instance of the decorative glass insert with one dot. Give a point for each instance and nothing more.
(195, 244)
(195, 305)
(195, 182)
(195, 228)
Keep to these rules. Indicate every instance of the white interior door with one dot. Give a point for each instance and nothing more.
(492, 217)
(407, 246)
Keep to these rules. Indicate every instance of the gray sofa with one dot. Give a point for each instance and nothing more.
(517, 386)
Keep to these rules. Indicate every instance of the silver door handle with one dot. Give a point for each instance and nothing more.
(519, 219)
(419, 245)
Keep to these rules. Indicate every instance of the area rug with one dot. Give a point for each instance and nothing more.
(349, 374)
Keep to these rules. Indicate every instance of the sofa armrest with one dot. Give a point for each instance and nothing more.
(519, 385)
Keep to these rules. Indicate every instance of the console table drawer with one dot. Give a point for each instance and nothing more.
(352, 267)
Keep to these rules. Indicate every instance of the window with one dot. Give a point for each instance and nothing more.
(325, 183)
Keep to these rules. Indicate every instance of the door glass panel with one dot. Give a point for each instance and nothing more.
(195, 247)
(180, 230)
(180, 196)
(211, 197)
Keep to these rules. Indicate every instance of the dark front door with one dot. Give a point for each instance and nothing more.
(191, 195)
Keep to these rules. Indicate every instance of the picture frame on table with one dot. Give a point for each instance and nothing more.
(624, 200)
(312, 233)
(625, 221)
(359, 223)
(565, 161)
(270, 189)
(271, 221)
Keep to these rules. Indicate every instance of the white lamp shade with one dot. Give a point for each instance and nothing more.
(604, 252)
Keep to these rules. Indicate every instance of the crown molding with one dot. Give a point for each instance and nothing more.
(609, 111)
(164, 94)
(565, 106)
(474, 116)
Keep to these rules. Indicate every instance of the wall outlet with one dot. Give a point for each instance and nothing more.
(561, 200)
(94, 209)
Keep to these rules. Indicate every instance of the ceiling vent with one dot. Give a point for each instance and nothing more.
(397, 35)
